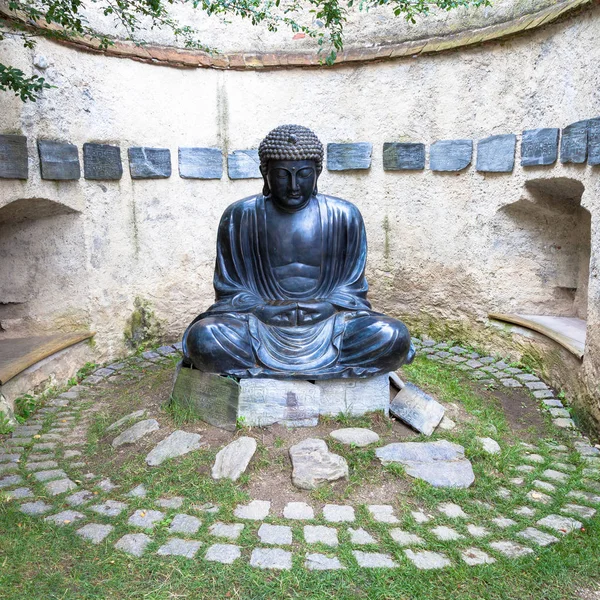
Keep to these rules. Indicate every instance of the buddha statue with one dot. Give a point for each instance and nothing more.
(291, 294)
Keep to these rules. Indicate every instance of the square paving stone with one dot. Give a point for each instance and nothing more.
(14, 163)
(299, 511)
(403, 156)
(146, 518)
(554, 475)
(133, 543)
(66, 517)
(110, 508)
(405, 538)
(319, 534)
(47, 446)
(539, 147)
(540, 497)
(94, 532)
(35, 508)
(257, 510)
(48, 475)
(58, 161)
(79, 498)
(271, 558)
(373, 560)
(335, 513)
(531, 534)
(60, 486)
(543, 485)
(320, 562)
(10, 481)
(178, 547)
(420, 517)
(138, 492)
(446, 533)
(562, 525)
(106, 485)
(475, 556)
(174, 502)
(454, 511)
(477, 531)
(149, 163)
(6, 468)
(496, 154)
(223, 553)
(185, 524)
(360, 537)
(40, 466)
(511, 549)
(19, 493)
(231, 531)
(275, 534)
(525, 511)
(426, 559)
(383, 513)
(503, 522)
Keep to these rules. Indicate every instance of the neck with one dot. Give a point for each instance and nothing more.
(288, 209)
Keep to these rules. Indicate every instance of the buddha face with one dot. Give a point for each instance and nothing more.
(291, 182)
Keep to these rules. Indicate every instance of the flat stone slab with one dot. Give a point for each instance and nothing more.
(405, 538)
(349, 157)
(335, 513)
(475, 556)
(14, 162)
(355, 436)
(145, 518)
(319, 534)
(19, 493)
(271, 558)
(185, 524)
(102, 162)
(382, 513)
(110, 508)
(489, 445)
(138, 414)
(320, 562)
(35, 508)
(265, 402)
(511, 549)
(10, 481)
(178, 547)
(417, 409)
(554, 475)
(136, 432)
(200, 163)
(441, 463)
(403, 156)
(223, 553)
(562, 525)
(173, 502)
(79, 498)
(257, 510)
(446, 534)
(94, 532)
(454, 511)
(585, 512)
(133, 543)
(426, 560)
(574, 143)
(373, 560)
(243, 164)
(66, 517)
(58, 161)
(594, 142)
(361, 537)
(354, 397)
(313, 464)
(450, 155)
(503, 522)
(60, 486)
(149, 163)
(230, 531)
(177, 444)
(531, 534)
(496, 154)
(233, 460)
(298, 511)
(477, 531)
(539, 147)
(278, 535)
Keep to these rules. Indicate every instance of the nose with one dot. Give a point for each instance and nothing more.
(294, 182)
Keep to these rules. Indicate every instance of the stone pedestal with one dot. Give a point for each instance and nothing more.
(355, 397)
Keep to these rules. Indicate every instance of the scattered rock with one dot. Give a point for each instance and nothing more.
(489, 445)
(136, 432)
(417, 409)
(313, 464)
(177, 444)
(233, 460)
(355, 436)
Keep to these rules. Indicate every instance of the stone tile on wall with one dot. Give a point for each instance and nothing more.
(594, 141)
(243, 164)
(13, 157)
(200, 163)
(539, 147)
(574, 143)
(102, 161)
(349, 157)
(149, 163)
(496, 154)
(401, 156)
(59, 161)
(450, 155)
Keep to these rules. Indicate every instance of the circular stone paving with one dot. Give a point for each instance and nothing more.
(112, 462)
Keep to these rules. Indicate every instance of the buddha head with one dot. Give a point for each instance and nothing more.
(291, 160)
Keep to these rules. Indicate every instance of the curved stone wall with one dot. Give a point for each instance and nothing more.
(446, 248)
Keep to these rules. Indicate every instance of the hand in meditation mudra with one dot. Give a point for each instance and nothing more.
(291, 294)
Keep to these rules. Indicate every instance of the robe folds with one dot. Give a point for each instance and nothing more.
(242, 345)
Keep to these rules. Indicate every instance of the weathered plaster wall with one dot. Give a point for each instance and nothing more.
(442, 246)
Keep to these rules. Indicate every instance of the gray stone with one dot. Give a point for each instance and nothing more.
(271, 558)
(335, 513)
(223, 553)
(511, 549)
(503, 522)
(8, 467)
(354, 397)
(166, 350)
(66, 517)
(58, 161)
(60, 486)
(539, 147)
(19, 493)
(319, 534)
(79, 498)
(585, 512)
(10, 457)
(447, 424)
(106, 485)
(151, 356)
(71, 453)
(477, 531)
(586, 496)
(101, 161)
(511, 383)
(298, 511)
(48, 475)
(230, 531)
(177, 547)
(185, 524)
(177, 444)
(531, 534)
(496, 154)
(279, 535)
(14, 163)
(44, 447)
(133, 543)
(200, 163)
(355, 436)
(149, 163)
(564, 423)
(94, 532)
(314, 465)
(136, 432)
(265, 402)
(373, 560)
(450, 155)
(527, 377)
(525, 468)
(536, 385)
(446, 533)
(138, 414)
(535, 496)
(475, 556)
(174, 502)
(243, 164)
(35, 508)
(361, 537)
(543, 394)
(594, 142)
(555, 475)
(489, 445)
(382, 513)
(38, 466)
(454, 511)
(233, 460)
(525, 511)
(110, 508)
(320, 562)
(405, 538)
(426, 560)
(145, 518)
(349, 157)
(212, 398)
(257, 510)
(441, 463)
(417, 409)
(534, 458)
(559, 412)
(574, 143)
(398, 156)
